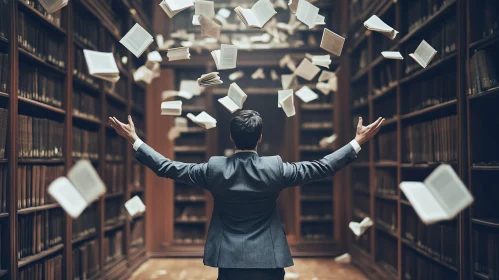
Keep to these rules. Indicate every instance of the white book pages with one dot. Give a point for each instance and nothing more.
(343, 259)
(307, 13)
(392, 55)
(258, 74)
(224, 13)
(167, 10)
(235, 98)
(359, 228)
(306, 94)
(203, 119)
(171, 108)
(326, 75)
(184, 94)
(226, 57)
(135, 206)
(236, 75)
(143, 74)
(265, 38)
(229, 104)
(332, 42)
(424, 203)
(210, 79)
(333, 83)
(195, 20)
(205, 8)
(52, 6)
(137, 40)
(320, 20)
(178, 54)
(291, 275)
(327, 141)
(273, 75)
(307, 70)
(154, 56)
(374, 23)
(190, 86)
(86, 179)
(282, 94)
(160, 40)
(178, 5)
(288, 105)
(66, 194)
(321, 60)
(423, 54)
(102, 65)
(168, 94)
(287, 81)
(209, 28)
(325, 88)
(263, 10)
(246, 17)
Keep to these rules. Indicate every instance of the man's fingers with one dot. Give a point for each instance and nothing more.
(374, 124)
(131, 122)
(360, 122)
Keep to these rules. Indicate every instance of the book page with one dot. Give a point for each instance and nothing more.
(343, 259)
(326, 75)
(205, 8)
(228, 56)
(332, 42)
(154, 56)
(250, 18)
(229, 104)
(392, 55)
(209, 28)
(307, 70)
(449, 190)
(86, 180)
(167, 10)
(66, 194)
(307, 13)
(288, 105)
(424, 54)
(374, 23)
(263, 11)
(135, 206)
(423, 202)
(178, 5)
(320, 20)
(287, 81)
(173, 108)
(206, 119)
(100, 63)
(237, 95)
(306, 94)
(282, 94)
(137, 40)
(190, 86)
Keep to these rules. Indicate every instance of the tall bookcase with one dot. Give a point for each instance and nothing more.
(57, 114)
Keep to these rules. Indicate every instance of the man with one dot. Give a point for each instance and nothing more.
(246, 239)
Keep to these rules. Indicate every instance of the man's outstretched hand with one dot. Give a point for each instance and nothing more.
(366, 133)
(126, 131)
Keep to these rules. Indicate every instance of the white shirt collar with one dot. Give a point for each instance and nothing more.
(245, 151)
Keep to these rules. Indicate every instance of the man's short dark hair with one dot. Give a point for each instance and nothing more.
(245, 129)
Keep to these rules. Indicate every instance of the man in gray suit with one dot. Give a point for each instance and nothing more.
(246, 239)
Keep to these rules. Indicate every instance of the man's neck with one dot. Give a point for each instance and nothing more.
(246, 151)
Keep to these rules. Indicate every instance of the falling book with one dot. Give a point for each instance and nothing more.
(235, 98)
(344, 259)
(171, 108)
(236, 75)
(332, 42)
(209, 28)
(258, 74)
(374, 23)
(326, 75)
(154, 56)
(210, 79)
(190, 86)
(162, 44)
(102, 65)
(173, 7)
(286, 102)
(306, 94)
(178, 54)
(392, 55)
(423, 54)
(203, 119)
(307, 13)
(440, 197)
(325, 88)
(258, 15)
(321, 60)
(359, 228)
(79, 189)
(307, 70)
(52, 6)
(172, 93)
(288, 62)
(137, 40)
(288, 81)
(225, 57)
(135, 206)
(143, 74)
(204, 8)
(327, 141)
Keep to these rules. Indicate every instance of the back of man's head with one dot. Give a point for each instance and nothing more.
(246, 129)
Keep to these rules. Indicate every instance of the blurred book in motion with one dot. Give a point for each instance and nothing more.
(306, 94)
(102, 65)
(143, 74)
(137, 40)
(179, 125)
(321, 60)
(288, 81)
(423, 54)
(332, 42)
(392, 55)
(209, 28)
(359, 228)
(203, 119)
(204, 8)
(235, 98)
(326, 75)
(178, 54)
(225, 57)
(171, 108)
(259, 74)
(258, 15)
(173, 7)
(327, 141)
(210, 79)
(308, 13)
(236, 75)
(287, 61)
(440, 197)
(286, 102)
(307, 70)
(162, 44)
(134, 206)
(344, 259)
(52, 6)
(79, 189)
(154, 56)
(374, 23)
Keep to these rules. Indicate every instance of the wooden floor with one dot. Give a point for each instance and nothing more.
(193, 269)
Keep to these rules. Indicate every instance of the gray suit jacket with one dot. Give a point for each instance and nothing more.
(245, 229)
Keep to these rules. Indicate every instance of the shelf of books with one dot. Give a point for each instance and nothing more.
(52, 113)
(424, 121)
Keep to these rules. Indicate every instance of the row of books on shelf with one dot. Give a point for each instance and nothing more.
(54, 17)
(4, 119)
(386, 252)
(40, 85)
(115, 148)
(360, 60)
(4, 19)
(39, 41)
(418, 11)
(138, 233)
(50, 268)
(86, 28)
(316, 237)
(386, 182)
(113, 211)
(384, 77)
(85, 143)
(418, 267)
(386, 215)
(484, 74)
(431, 141)
(114, 177)
(85, 260)
(138, 175)
(80, 71)
(39, 138)
(361, 205)
(4, 176)
(85, 224)
(113, 246)
(486, 253)
(484, 19)
(385, 146)
(39, 231)
(33, 182)
(86, 105)
(359, 94)
(119, 88)
(4, 71)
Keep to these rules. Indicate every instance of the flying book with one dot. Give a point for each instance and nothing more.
(264, 38)
(332, 42)
(326, 75)
(178, 54)
(307, 13)
(137, 40)
(441, 196)
(52, 6)
(222, 15)
(171, 108)
(258, 15)
(273, 75)
(288, 81)
(325, 88)
(143, 74)
(162, 44)
(135, 206)
(293, 5)
(320, 20)
(203, 119)
(392, 55)
(79, 189)
(236, 75)
(327, 141)
(423, 54)
(225, 57)
(359, 228)
(235, 98)
(307, 70)
(321, 60)
(190, 86)
(173, 7)
(258, 74)
(179, 125)
(204, 8)
(286, 102)
(344, 259)
(374, 23)
(102, 65)
(306, 94)
(287, 61)
(172, 93)
(210, 79)
(209, 28)
(154, 56)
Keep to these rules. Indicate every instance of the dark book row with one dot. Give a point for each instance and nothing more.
(33, 183)
(4, 120)
(386, 182)
(484, 73)
(114, 177)
(384, 76)
(138, 233)
(4, 71)
(360, 60)
(34, 38)
(437, 240)
(431, 141)
(359, 93)
(418, 11)
(361, 203)
(86, 28)
(40, 85)
(85, 144)
(356, 9)
(138, 175)
(4, 19)
(115, 148)
(418, 267)
(386, 107)
(86, 105)
(360, 180)
(190, 213)
(50, 268)
(80, 71)
(188, 234)
(436, 89)
(386, 252)
(39, 231)
(117, 112)
(86, 260)
(484, 19)
(386, 214)
(322, 210)
(54, 17)
(4, 184)
(113, 246)
(39, 138)
(364, 241)
(316, 232)
(119, 88)
(486, 253)
(386, 143)
(139, 97)
(113, 210)
(85, 224)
